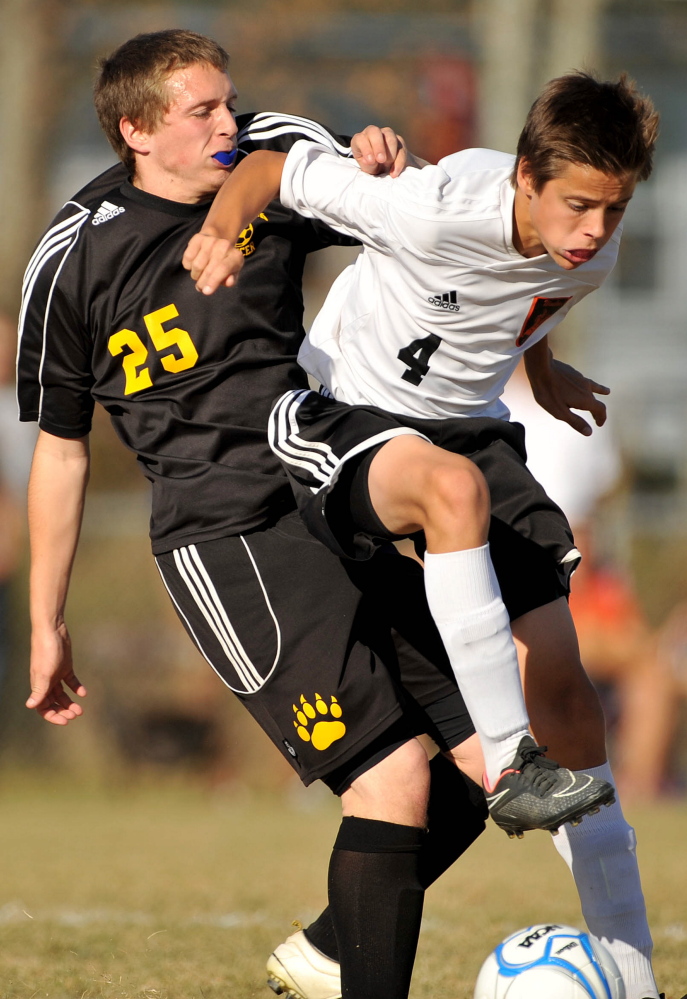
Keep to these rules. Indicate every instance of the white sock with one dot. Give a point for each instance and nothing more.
(600, 853)
(465, 601)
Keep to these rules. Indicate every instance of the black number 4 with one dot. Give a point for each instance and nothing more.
(417, 356)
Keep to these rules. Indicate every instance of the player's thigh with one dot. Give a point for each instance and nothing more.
(279, 619)
(322, 444)
(412, 483)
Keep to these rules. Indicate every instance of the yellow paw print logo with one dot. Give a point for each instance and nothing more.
(327, 729)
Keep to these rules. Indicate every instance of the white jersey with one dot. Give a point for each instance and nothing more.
(433, 316)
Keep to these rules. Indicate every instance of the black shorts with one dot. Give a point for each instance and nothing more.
(326, 448)
(339, 662)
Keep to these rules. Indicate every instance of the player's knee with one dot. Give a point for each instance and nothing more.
(456, 493)
(405, 773)
(394, 790)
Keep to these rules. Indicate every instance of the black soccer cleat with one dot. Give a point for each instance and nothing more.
(536, 793)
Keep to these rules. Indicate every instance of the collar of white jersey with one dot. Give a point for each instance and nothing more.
(507, 202)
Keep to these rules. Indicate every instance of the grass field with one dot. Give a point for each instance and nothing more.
(171, 892)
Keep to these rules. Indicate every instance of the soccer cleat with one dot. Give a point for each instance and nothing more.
(536, 793)
(297, 970)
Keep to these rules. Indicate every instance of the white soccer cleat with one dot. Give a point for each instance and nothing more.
(297, 970)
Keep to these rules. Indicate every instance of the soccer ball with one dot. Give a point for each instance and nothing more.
(549, 961)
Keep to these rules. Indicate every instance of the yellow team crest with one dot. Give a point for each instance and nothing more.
(245, 241)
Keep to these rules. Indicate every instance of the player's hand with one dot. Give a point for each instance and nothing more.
(562, 389)
(52, 676)
(213, 262)
(379, 151)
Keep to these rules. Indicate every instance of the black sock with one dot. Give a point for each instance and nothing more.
(456, 817)
(321, 934)
(375, 899)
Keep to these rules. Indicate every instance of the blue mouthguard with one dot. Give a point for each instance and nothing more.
(226, 159)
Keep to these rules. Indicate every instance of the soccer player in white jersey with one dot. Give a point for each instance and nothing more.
(466, 265)
(446, 497)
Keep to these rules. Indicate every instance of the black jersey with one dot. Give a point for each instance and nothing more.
(109, 314)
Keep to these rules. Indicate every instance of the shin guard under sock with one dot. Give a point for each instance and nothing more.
(376, 901)
(465, 601)
(456, 816)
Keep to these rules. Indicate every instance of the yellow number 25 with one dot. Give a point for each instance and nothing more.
(137, 376)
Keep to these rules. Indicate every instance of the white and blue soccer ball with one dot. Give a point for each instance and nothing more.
(549, 961)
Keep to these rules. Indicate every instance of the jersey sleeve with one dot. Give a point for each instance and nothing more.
(279, 132)
(383, 212)
(54, 370)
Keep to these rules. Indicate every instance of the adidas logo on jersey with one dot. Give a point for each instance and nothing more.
(445, 301)
(106, 212)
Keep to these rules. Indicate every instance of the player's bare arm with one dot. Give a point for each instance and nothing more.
(560, 389)
(57, 486)
(211, 255)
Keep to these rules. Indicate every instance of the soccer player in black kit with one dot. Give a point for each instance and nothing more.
(313, 647)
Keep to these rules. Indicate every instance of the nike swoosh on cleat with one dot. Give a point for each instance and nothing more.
(573, 788)
(493, 799)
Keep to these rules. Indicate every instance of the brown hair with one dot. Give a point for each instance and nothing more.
(131, 82)
(578, 119)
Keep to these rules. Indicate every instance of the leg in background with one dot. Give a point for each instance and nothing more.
(600, 853)
(456, 816)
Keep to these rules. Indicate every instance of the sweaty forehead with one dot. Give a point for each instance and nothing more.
(196, 84)
(585, 180)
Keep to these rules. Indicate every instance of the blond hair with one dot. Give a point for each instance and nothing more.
(132, 81)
